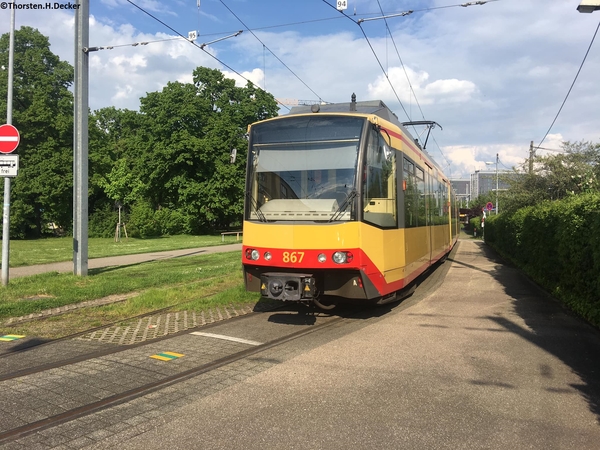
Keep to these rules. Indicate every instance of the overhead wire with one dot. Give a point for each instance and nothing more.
(400, 59)
(201, 48)
(408, 79)
(572, 84)
(312, 21)
(401, 62)
(376, 57)
(270, 51)
(303, 22)
(502, 164)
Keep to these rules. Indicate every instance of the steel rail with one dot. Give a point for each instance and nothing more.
(24, 430)
(49, 422)
(113, 350)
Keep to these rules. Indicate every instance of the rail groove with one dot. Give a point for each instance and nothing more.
(22, 431)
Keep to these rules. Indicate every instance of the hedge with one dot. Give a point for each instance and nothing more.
(557, 244)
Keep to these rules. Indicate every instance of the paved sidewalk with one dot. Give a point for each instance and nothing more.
(124, 260)
(485, 361)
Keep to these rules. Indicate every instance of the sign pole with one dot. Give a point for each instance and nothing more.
(6, 209)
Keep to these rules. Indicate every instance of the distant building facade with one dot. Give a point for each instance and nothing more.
(462, 187)
(483, 182)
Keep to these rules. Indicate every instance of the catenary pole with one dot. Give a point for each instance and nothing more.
(9, 100)
(80, 141)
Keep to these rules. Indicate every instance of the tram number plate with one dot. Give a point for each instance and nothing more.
(293, 257)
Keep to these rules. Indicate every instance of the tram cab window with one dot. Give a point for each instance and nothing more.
(304, 169)
(380, 183)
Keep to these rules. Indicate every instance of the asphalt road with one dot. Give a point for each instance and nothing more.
(486, 361)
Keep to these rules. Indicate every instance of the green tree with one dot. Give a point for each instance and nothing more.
(113, 134)
(556, 176)
(43, 114)
(187, 133)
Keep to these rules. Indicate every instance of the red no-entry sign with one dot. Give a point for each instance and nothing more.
(9, 138)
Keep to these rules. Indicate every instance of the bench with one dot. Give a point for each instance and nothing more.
(237, 235)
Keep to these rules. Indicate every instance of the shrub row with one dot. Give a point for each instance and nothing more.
(557, 243)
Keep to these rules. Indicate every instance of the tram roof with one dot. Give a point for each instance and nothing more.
(376, 107)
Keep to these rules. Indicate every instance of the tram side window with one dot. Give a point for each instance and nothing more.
(410, 195)
(380, 183)
(445, 205)
(431, 185)
(440, 209)
(436, 211)
(420, 175)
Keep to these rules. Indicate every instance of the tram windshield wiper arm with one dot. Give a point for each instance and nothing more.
(255, 208)
(344, 206)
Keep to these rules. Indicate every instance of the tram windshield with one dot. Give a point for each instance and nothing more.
(304, 168)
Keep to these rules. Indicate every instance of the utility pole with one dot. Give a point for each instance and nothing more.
(531, 151)
(497, 207)
(80, 140)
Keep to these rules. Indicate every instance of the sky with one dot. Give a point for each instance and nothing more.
(492, 75)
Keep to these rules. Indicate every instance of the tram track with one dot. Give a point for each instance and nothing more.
(103, 352)
(130, 394)
(59, 378)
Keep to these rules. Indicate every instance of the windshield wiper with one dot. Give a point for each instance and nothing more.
(342, 208)
(255, 208)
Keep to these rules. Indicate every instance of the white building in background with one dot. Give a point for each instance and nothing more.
(484, 181)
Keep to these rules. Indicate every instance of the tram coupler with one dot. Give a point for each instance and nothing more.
(288, 286)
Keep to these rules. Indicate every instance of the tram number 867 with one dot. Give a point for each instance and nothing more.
(293, 257)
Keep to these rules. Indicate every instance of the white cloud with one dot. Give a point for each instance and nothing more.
(427, 93)
(494, 76)
(257, 77)
(450, 91)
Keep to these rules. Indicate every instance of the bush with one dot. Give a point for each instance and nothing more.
(172, 222)
(558, 245)
(103, 222)
(141, 222)
(475, 224)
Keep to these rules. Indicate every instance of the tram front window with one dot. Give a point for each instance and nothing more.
(303, 169)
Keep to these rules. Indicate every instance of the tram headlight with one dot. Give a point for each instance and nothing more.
(343, 257)
(339, 258)
(252, 254)
(268, 256)
(322, 258)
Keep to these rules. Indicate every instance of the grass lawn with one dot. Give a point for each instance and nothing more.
(191, 283)
(43, 251)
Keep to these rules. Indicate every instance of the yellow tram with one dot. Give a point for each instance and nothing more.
(342, 203)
